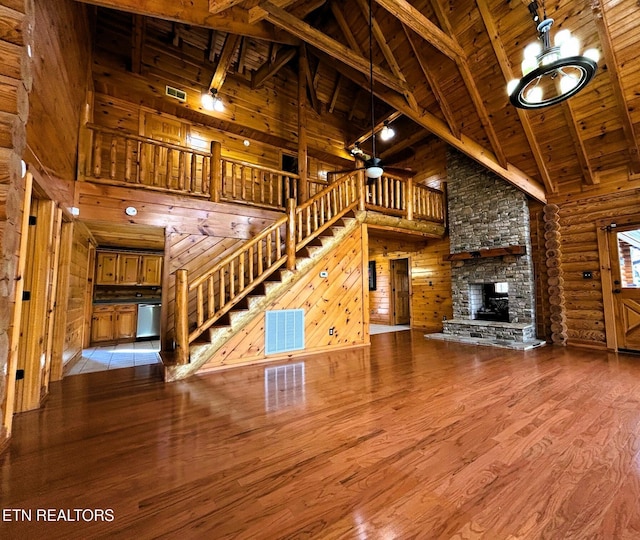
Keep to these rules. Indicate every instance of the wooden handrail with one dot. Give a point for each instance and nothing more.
(245, 247)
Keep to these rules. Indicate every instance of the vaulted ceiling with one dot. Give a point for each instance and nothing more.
(440, 72)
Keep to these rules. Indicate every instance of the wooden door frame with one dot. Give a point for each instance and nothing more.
(392, 296)
(16, 316)
(605, 228)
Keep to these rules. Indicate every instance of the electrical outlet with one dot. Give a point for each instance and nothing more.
(331, 331)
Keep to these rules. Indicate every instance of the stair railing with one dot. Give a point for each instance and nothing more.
(230, 280)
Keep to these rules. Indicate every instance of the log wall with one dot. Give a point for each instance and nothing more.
(338, 301)
(13, 116)
(430, 281)
(538, 255)
(584, 297)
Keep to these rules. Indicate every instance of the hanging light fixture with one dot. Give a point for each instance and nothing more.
(551, 74)
(387, 132)
(211, 101)
(373, 169)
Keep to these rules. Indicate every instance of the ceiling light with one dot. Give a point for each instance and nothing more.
(373, 170)
(246, 142)
(551, 74)
(211, 102)
(387, 133)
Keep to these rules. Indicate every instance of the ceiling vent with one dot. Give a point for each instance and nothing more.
(180, 95)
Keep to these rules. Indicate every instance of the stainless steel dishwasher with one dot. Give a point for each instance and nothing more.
(148, 320)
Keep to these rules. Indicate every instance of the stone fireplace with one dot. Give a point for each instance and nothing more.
(492, 276)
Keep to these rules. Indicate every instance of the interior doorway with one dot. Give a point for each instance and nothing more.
(400, 292)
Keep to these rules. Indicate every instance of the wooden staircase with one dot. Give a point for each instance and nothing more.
(220, 303)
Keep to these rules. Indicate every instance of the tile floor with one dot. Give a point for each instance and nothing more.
(383, 328)
(123, 355)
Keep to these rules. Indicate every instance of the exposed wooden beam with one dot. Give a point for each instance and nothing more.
(630, 134)
(218, 6)
(210, 53)
(269, 69)
(336, 93)
(326, 44)
(258, 13)
(242, 56)
(137, 42)
(432, 81)
(344, 26)
(311, 89)
(403, 143)
(224, 62)
(414, 19)
(197, 14)
(381, 40)
(589, 176)
(303, 70)
(507, 71)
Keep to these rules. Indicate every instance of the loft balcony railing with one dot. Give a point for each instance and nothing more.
(120, 158)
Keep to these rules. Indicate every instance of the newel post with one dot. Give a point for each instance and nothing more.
(181, 317)
(410, 198)
(216, 171)
(362, 191)
(291, 234)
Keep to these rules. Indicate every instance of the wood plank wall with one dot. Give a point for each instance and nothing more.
(196, 253)
(118, 113)
(61, 67)
(430, 281)
(337, 301)
(584, 298)
(78, 278)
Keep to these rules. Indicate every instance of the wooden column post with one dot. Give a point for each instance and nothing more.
(181, 317)
(410, 198)
(362, 191)
(215, 185)
(291, 234)
(303, 188)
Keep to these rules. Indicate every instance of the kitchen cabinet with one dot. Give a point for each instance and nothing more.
(113, 322)
(151, 270)
(128, 269)
(123, 268)
(107, 269)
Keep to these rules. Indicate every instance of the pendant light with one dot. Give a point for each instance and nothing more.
(373, 166)
(551, 74)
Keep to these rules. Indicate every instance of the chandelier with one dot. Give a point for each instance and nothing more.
(551, 74)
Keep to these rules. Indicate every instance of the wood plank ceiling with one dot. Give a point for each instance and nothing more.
(440, 71)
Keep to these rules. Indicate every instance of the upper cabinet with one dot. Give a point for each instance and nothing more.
(121, 268)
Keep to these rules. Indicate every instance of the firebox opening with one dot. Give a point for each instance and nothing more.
(495, 302)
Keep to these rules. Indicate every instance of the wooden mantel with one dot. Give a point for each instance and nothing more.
(486, 253)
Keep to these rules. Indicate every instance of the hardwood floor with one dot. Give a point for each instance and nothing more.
(408, 439)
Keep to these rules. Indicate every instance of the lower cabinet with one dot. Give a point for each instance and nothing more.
(114, 322)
